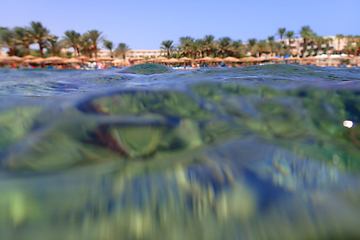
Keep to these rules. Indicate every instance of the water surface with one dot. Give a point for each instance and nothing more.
(259, 152)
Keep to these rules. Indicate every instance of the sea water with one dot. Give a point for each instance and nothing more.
(259, 152)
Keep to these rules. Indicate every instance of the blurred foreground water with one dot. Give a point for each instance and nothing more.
(260, 152)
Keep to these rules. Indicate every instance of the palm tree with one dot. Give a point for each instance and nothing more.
(252, 42)
(281, 32)
(357, 40)
(23, 37)
(72, 39)
(54, 46)
(8, 39)
(109, 45)
(122, 49)
(201, 47)
(271, 38)
(167, 46)
(319, 42)
(224, 45)
(209, 43)
(290, 35)
(39, 34)
(260, 48)
(328, 41)
(237, 48)
(85, 44)
(349, 49)
(96, 38)
(339, 37)
(305, 33)
(185, 44)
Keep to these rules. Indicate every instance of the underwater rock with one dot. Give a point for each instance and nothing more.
(146, 69)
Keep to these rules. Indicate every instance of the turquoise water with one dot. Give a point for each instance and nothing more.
(260, 152)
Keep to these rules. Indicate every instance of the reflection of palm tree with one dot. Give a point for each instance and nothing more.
(224, 45)
(167, 46)
(23, 37)
(72, 39)
(122, 50)
(305, 33)
(8, 39)
(40, 35)
(109, 46)
(95, 37)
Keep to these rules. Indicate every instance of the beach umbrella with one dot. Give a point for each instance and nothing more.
(186, 59)
(54, 59)
(117, 60)
(106, 59)
(216, 59)
(92, 60)
(82, 57)
(171, 60)
(249, 59)
(29, 57)
(310, 58)
(346, 58)
(231, 59)
(158, 59)
(38, 60)
(292, 58)
(11, 59)
(138, 59)
(205, 59)
(72, 60)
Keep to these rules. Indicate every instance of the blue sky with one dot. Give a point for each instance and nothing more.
(145, 24)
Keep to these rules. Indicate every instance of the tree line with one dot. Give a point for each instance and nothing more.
(19, 39)
(225, 46)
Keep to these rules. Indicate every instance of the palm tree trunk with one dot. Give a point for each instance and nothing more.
(304, 47)
(27, 49)
(12, 51)
(41, 50)
(95, 50)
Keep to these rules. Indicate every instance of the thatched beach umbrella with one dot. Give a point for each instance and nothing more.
(292, 58)
(72, 60)
(249, 59)
(119, 61)
(54, 59)
(186, 59)
(231, 59)
(310, 58)
(82, 57)
(138, 59)
(11, 59)
(29, 57)
(158, 59)
(106, 59)
(38, 60)
(171, 60)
